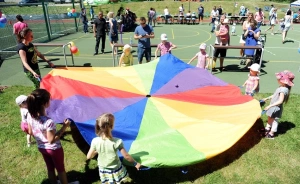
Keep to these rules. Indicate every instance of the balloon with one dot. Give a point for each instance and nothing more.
(3, 20)
(3, 15)
(74, 49)
(68, 9)
(2, 25)
(212, 64)
(74, 14)
(299, 50)
(71, 44)
(69, 14)
(77, 53)
(73, 10)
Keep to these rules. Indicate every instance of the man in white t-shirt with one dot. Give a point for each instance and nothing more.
(167, 14)
(214, 15)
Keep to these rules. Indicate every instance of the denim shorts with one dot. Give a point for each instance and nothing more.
(144, 51)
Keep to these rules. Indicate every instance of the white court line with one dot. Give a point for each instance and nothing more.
(279, 47)
(270, 52)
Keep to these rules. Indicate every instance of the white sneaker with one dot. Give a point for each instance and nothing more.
(28, 145)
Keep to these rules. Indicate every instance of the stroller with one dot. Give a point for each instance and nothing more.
(256, 59)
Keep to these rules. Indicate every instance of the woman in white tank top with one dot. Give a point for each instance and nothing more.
(288, 22)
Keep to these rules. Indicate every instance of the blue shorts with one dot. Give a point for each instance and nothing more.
(144, 51)
(113, 38)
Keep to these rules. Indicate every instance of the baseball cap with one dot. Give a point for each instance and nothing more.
(20, 99)
(163, 36)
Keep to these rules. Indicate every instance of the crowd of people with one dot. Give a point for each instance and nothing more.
(36, 123)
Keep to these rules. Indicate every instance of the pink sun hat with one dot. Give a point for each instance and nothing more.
(286, 77)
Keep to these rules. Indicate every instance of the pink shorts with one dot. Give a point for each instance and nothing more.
(54, 159)
(24, 127)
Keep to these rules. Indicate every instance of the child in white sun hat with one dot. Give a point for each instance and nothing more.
(21, 102)
(252, 83)
(126, 58)
(202, 57)
(164, 47)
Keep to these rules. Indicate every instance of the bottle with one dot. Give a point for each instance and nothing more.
(130, 42)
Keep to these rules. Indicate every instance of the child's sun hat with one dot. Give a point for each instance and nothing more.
(286, 77)
(20, 99)
(202, 46)
(255, 67)
(127, 46)
(163, 37)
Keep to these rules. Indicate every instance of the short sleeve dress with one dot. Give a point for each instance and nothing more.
(276, 111)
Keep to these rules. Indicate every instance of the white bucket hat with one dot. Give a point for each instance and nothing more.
(163, 36)
(126, 47)
(20, 99)
(202, 46)
(255, 67)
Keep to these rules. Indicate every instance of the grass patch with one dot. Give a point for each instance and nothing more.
(250, 160)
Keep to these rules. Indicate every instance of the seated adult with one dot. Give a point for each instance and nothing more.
(181, 17)
(188, 17)
(194, 17)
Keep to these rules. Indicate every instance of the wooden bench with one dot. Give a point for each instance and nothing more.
(116, 46)
(63, 45)
(213, 47)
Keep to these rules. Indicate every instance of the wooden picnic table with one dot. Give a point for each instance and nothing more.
(237, 19)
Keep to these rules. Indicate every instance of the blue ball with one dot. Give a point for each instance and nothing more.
(2, 25)
(299, 50)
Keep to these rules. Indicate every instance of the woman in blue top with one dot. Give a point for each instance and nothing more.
(113, 33)
(252, 34)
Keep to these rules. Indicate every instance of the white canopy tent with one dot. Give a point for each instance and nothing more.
(296, 3)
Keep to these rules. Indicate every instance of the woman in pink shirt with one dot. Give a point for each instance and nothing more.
(18, 26)
(259, 17)
(165, 46)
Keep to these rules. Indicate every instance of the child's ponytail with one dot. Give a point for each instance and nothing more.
(104, 125)
(37, 101)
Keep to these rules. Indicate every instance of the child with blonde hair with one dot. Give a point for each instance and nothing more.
(21, 102)
(164, 47)
(252, 83)
(106, 146)
(126, 58)
(280, 96)
(202, 57)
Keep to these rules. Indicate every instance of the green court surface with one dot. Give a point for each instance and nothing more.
(277, 56)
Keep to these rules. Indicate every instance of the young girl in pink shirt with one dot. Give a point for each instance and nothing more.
(164, 47)
(202, 57)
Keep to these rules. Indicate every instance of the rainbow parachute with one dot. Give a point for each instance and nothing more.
(168, 113)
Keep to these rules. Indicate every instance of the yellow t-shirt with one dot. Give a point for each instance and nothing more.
(127, 59)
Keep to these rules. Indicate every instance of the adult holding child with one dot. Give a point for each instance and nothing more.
(143, 33)
(246, 25)
(28, 54)
(288, 22)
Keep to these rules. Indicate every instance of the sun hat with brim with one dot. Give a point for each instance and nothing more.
(254, 67)
(20, 99)
(126, 47)
(163, 37)
(202, 46)
(285, 77)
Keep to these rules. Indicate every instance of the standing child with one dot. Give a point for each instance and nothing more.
(252, 83)
(233, 29)
(202, 57)
(21, 102)
(126, 58)
(106, 146)
(164, 47)
(44, 131)
(281, 95)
